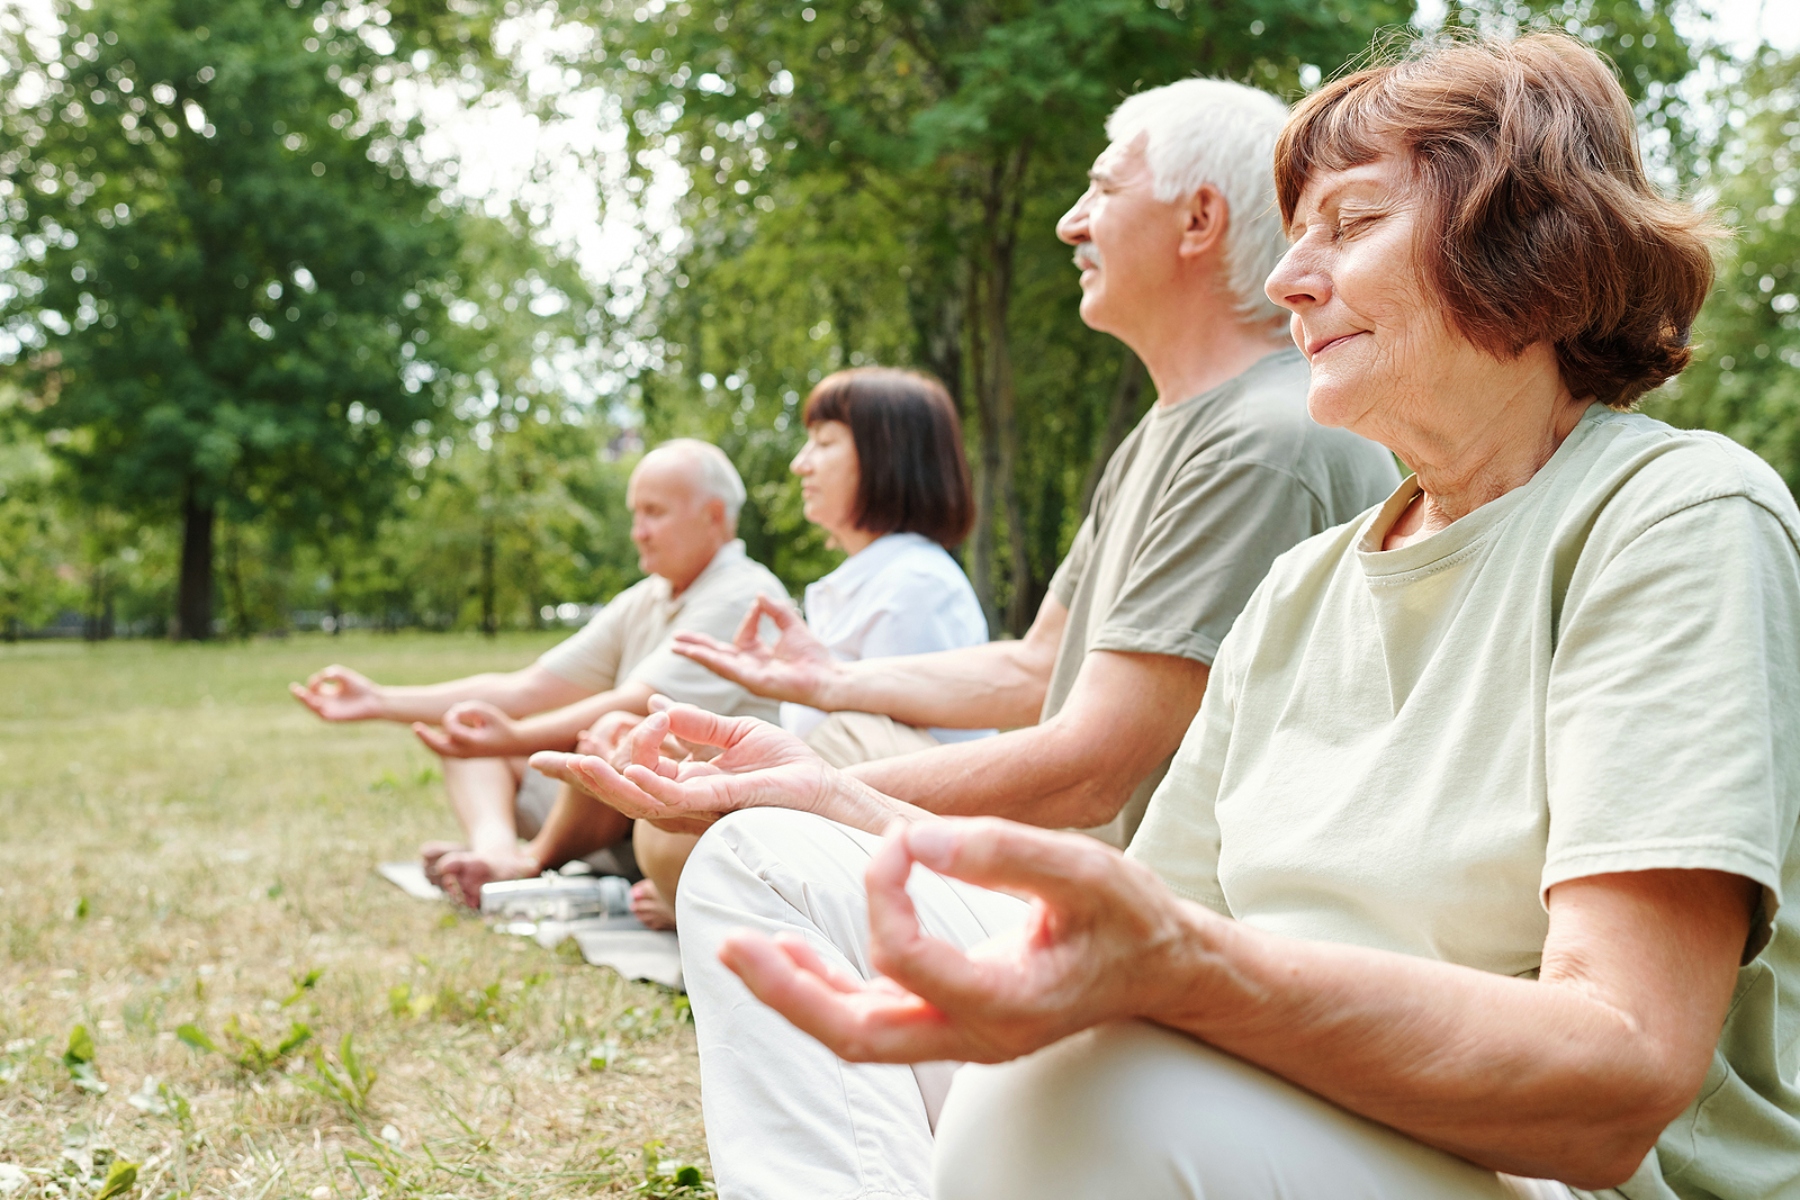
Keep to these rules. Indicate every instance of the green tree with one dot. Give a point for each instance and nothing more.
(1745, 381)
(226, 284)
(911, 157)
(880, 180)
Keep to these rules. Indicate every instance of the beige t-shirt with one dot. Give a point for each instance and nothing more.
(628, 641)
(1597, 672)
(1193, 507)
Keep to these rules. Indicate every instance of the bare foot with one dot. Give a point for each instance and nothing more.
(431, 853)
(462, 872)
(648, 906)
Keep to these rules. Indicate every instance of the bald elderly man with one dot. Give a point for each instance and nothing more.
(684, 498)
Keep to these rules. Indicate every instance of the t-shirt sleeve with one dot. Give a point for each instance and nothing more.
(1207, 544)
(684, 680)
(1179, 836)
(1673, 706)
(1062, 584)
(589, 657)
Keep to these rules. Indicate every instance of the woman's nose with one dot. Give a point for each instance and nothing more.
(1297, 282)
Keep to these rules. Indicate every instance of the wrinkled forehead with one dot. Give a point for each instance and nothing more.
(1388, 177)
(1127, 156)
(1358, 128)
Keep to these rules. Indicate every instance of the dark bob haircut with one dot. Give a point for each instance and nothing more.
(908, 451)
(1541, 225)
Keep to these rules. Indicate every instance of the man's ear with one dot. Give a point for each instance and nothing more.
(715, 513)
(1208, 218)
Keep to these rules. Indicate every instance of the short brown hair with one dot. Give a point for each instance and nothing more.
(1542, 225)
(908, 451)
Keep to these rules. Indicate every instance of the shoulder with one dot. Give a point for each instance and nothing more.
(642, 592)
(919, 575)
(1640, 471)
(1269, 424)
(743, 580)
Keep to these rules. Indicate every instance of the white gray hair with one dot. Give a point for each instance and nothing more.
(1202, 131)
(712, 472)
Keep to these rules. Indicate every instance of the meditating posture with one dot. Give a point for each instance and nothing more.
(883, 473)
(1173, 239)
(1467, 880)
(684, 498)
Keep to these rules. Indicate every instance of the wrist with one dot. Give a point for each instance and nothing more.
(849, 801)
(1191, 960)
(833, 689)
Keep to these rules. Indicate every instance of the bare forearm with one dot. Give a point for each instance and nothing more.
(558, 728)
(532, 689)
(1000, 684)
(1520, 1076)
(428, 702)
(1040, 776)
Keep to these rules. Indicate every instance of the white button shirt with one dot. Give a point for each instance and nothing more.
(902, 594)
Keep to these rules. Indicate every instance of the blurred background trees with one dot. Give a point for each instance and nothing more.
(264, 364)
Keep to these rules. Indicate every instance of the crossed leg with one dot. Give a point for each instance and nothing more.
(1133, 1109)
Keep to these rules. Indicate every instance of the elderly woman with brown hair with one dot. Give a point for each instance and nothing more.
(1468, 876)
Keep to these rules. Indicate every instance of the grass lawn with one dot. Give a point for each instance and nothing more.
(182, 848)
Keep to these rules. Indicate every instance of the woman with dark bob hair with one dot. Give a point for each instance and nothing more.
(883, 474)
(1468, 878)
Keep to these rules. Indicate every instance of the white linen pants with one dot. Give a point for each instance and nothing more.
(1130, 1110)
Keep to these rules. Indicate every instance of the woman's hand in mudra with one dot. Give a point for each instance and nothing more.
(796, 666)
(1102, 943)
(758, 765)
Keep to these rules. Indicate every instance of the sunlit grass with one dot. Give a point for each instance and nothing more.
(182, 848)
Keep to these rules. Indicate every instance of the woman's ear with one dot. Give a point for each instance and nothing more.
(1207, 217)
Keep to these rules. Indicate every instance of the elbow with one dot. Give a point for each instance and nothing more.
(1607, 1149)
(1097, 801)
(1599, 1168)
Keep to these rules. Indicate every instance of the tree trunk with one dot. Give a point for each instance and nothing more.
(490, 620)
(234, 582)
(193, 605)
(1000, 431)
(1119, 419)
(987, 463)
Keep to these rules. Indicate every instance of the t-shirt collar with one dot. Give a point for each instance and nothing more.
(860, 567)
(1467, 530)
(723, 559)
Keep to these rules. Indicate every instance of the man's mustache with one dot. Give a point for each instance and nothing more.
(1087, 255)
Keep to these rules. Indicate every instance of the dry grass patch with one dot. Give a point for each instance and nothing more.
(187, 875)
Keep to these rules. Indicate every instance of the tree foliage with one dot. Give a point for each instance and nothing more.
(225, 297)
(1745, 381)
(878, 180)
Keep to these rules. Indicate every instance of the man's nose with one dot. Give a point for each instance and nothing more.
(1072, 227)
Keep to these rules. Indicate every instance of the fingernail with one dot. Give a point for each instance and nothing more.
(932, 843)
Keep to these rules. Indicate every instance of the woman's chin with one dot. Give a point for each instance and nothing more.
(1329, 402)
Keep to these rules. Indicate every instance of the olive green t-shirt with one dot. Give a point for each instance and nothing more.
(1598, 672)
(1191, 510)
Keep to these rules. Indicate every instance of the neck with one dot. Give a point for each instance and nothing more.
(1190, 348)
(853, 541)
(1475, 453)
(678, 586)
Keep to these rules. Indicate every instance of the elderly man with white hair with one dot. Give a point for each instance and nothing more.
(1174, 237)
(684, 498)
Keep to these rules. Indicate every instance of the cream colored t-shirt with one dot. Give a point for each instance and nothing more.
(629, 640)
(1597, 672)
